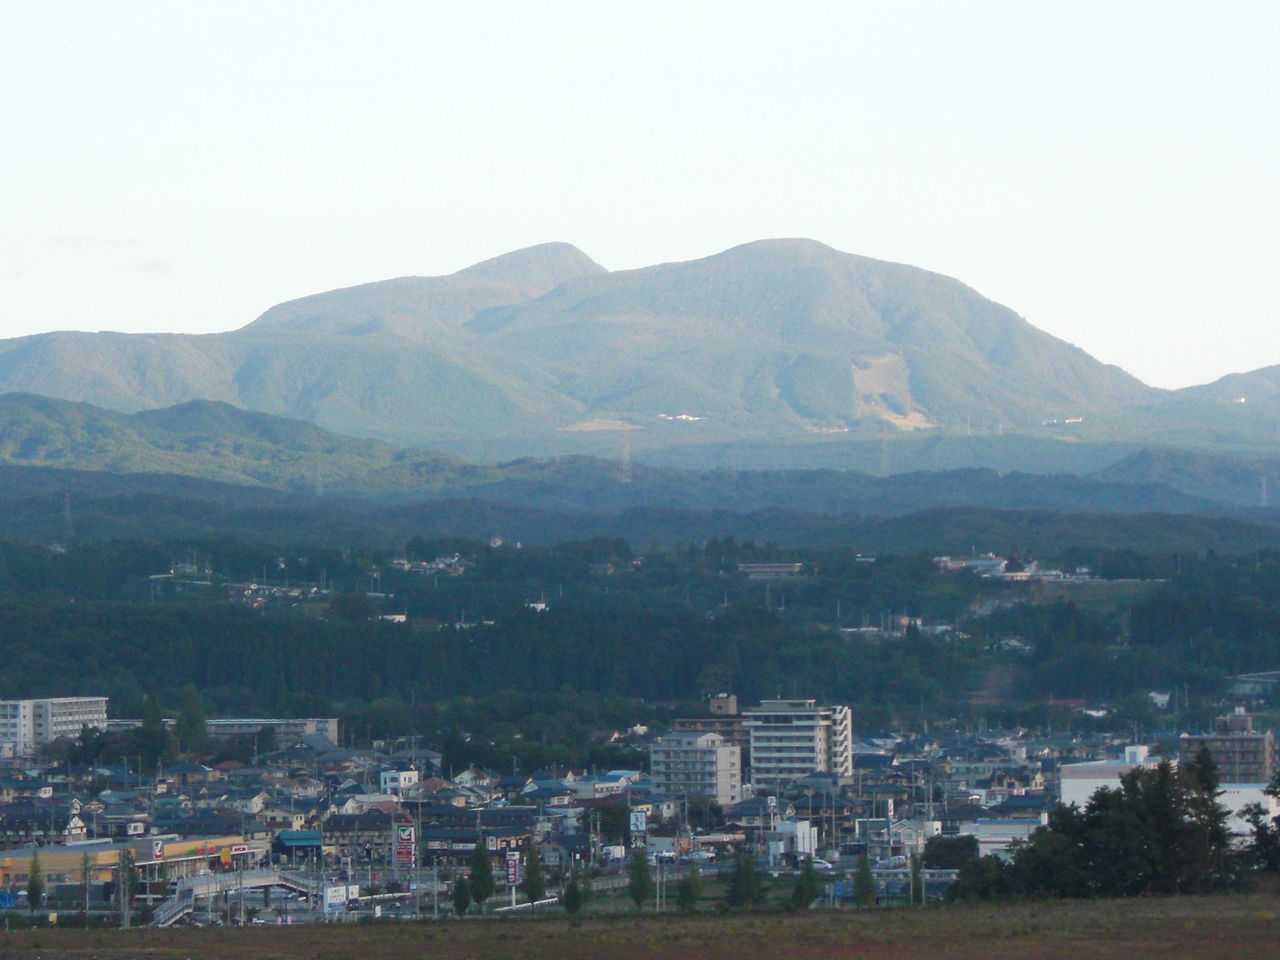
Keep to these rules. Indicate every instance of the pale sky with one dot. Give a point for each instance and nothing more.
(1106, 169)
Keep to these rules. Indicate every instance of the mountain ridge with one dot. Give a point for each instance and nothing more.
(543, 351)
(214, 441)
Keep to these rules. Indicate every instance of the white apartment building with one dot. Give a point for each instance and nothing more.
(696, 765)
(26, 724)
(791, 739)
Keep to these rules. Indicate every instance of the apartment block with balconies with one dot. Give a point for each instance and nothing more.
(696, 765)
(790, 739)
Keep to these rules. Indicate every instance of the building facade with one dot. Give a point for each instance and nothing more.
(27, 724)
(1242, 754)
(790, 739)
(696, 765)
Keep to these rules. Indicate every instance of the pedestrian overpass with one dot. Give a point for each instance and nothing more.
(208, 885)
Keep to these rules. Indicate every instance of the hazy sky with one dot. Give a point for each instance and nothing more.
(1108, 170)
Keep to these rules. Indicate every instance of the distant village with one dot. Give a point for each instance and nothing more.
(311, 829)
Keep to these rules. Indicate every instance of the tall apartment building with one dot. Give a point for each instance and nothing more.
(791, 739)
(696, 765)
(723, 718)
(1242, 754)
(26, 724)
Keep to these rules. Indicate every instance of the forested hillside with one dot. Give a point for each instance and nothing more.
(250, 627)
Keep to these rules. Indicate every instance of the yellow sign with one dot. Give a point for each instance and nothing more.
(226, 856)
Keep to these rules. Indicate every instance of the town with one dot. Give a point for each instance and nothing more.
(310, 831)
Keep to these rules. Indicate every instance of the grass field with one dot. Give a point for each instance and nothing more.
(1240, 927)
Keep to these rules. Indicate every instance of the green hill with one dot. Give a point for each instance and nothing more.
(219, 442)
(777, 342)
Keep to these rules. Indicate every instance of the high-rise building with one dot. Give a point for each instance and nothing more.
(26, 724)
(791, 739)
(696, 765)
(1242, 754)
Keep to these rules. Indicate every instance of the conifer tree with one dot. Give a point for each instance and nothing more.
(481, 874)
(639, 880)
(864, 884)
(461, 896)
(35, 883)
(689, 889)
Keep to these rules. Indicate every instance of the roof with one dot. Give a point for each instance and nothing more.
(299, 838)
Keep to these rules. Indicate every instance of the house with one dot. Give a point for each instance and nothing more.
(363, 836)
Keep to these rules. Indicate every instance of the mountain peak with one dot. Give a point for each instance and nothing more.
(431, 307)
(544, 266)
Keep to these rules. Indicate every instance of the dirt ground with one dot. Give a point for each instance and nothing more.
(1241, 927)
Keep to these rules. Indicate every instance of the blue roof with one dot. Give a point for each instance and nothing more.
(299, 838)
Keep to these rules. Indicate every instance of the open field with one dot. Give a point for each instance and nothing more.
(1240, 927)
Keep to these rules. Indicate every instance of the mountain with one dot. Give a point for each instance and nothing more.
(1227, 480)
(777, 343)
(214, 441)
(1256, 387)
(206, 439)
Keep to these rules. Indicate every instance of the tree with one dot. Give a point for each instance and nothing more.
(864, 885)
(572, 897)
(639, 880)
(533, 885)
(689, 890)
(190, 728)
(808, 886)
(614, 822)
(453, 752)
(35, 883)
(949, 853)
(461, 896)
(127, 885)
(151, 741)
(1162, 832)
(481, 874)
(704, 813)
(352, 607)
(1263, 851)
(743, 887)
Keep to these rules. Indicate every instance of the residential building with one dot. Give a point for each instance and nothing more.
(792, 738)
(696, 765)
(27, 724)
(1242, 754)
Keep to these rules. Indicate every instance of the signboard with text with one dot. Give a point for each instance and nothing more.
(335, 899)
(404, 840)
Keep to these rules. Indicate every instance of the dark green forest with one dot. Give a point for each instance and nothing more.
(625, 634)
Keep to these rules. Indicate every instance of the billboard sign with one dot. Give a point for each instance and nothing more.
(513, 867)
(404, 838)
(335, 898)
(157, 849)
